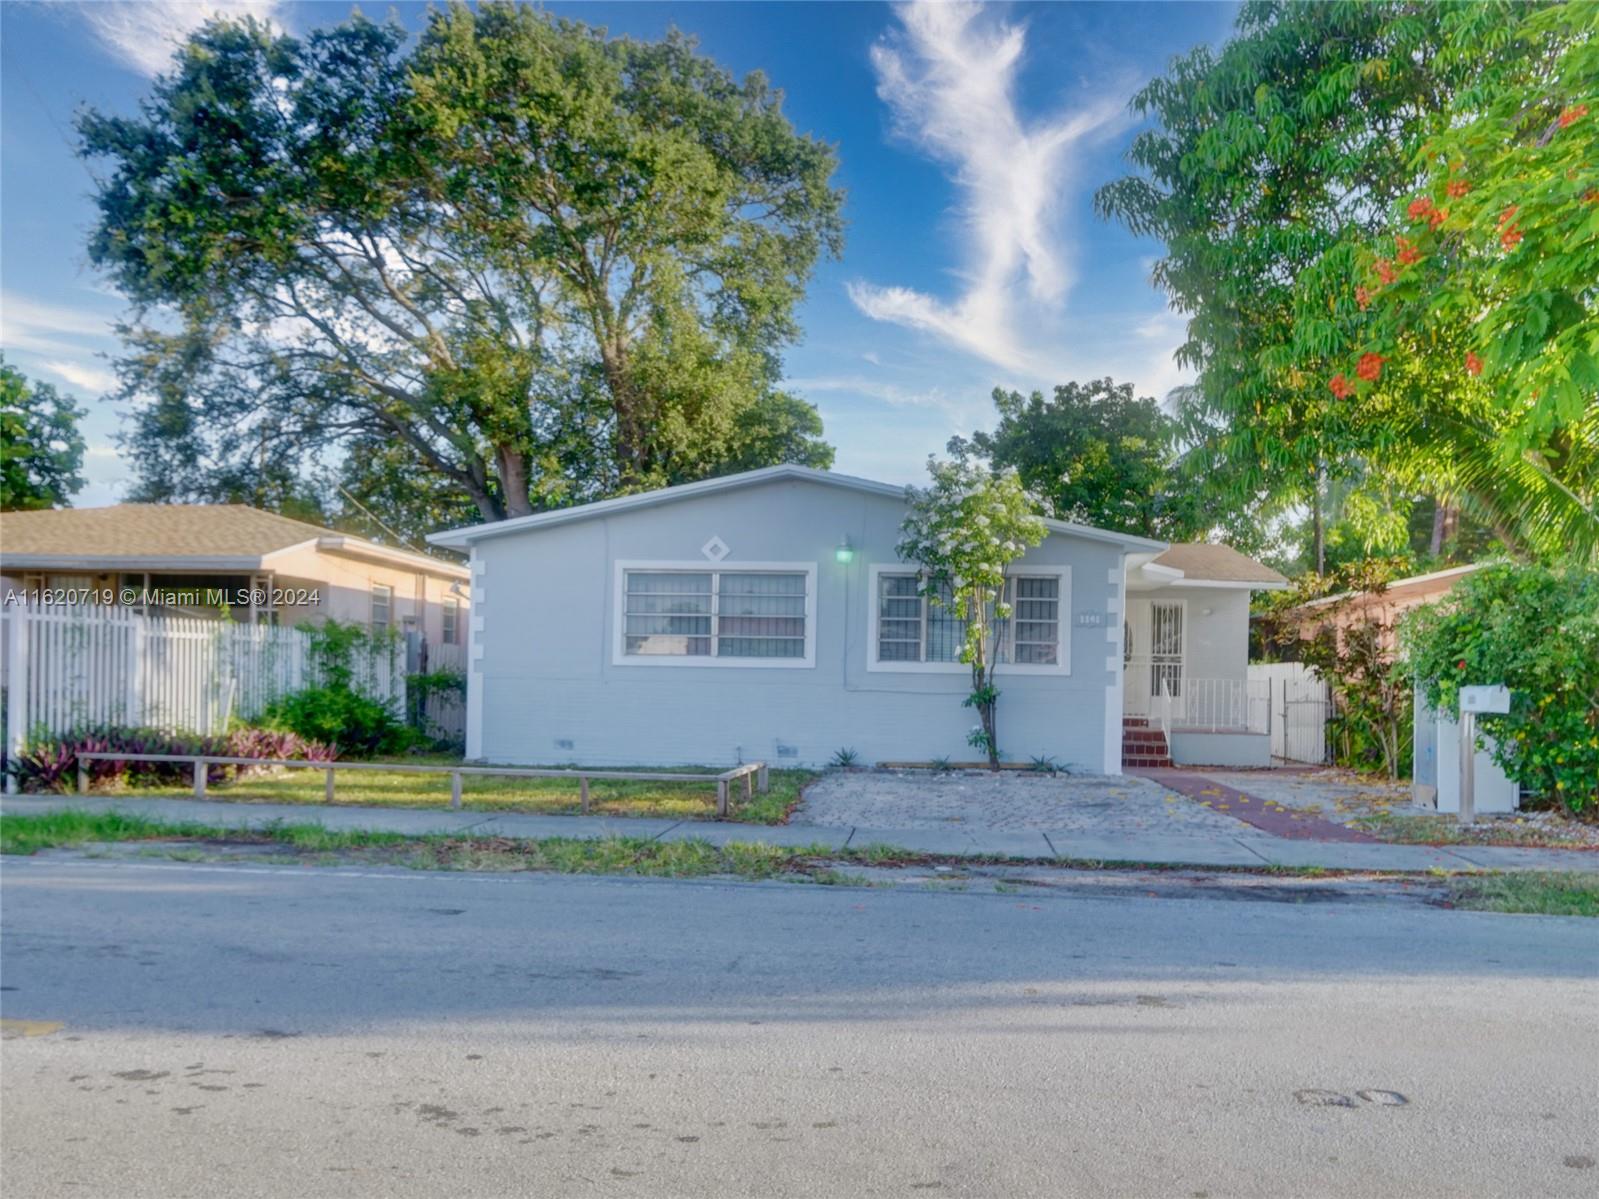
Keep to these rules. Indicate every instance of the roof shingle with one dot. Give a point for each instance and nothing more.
(154, 530)
(1220, 563)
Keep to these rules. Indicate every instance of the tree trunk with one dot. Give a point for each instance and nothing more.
(512, 466)
(630, 432)
(1318, 531)
(1445, 523)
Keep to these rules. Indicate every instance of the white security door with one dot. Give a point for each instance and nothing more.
(1166, 651)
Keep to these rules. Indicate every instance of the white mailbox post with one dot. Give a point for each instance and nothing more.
(1492, 699)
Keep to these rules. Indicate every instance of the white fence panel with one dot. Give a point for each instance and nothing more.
(1301, 704)
(65, 668)
(445, 711)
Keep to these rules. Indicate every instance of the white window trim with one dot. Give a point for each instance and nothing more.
(1063, 616)
(372, 603)
(620, 656)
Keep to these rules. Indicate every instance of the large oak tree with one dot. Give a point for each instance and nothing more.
(536, 263)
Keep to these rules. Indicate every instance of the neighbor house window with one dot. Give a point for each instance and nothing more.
(913, 628)
(382, 607)
(721, 615)
(452, 621)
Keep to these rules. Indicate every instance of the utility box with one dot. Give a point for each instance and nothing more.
(1435, 774)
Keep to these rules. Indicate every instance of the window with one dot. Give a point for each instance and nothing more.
(750, 617)
(911, 629)
(451, 630)
(382, 607)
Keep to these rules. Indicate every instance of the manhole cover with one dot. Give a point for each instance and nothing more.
(1386, 1098)
(1315, 1097)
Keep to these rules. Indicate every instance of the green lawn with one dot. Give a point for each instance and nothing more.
(1543, 894)
(379, 788)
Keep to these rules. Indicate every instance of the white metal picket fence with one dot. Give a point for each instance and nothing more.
(66, 668)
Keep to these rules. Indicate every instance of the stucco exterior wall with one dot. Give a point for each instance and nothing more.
(544, 688)
(1190, 748)
(1215, 629)
(345, 585)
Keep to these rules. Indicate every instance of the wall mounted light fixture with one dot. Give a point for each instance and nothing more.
(845, 552)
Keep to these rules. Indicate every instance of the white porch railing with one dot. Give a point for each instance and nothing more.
(1166, 697)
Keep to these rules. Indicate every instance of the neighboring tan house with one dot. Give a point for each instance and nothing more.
(766, 616)
(1347, 608)
(194, 559)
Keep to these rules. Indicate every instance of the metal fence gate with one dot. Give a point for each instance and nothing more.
(1301, 706)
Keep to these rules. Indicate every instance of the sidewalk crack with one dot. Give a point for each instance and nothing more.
(666, 830)
(1053, 851)
(1251, 849)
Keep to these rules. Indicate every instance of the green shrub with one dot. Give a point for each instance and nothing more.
(1536, 630)
(337, 715)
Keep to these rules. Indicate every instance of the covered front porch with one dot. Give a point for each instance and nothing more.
(1187, 698)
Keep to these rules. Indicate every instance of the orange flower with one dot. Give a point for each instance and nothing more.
(1591, 196)
(1385, 271)
(1504, 217)
(1510, 238)
(1370, 367)
(1419, 207)
(1473, 364)
(1437, 217)
(1458, 188)
(1362, 297)
(1573, 114)
(1340, 387)
(1407, 251)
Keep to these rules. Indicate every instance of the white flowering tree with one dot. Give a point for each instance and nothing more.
(965, 529)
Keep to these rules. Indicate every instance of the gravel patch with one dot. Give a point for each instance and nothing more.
(1095, 805)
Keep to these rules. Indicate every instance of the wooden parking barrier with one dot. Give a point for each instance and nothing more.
(753, 774)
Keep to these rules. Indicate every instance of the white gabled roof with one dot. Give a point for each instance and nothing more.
(460, 539)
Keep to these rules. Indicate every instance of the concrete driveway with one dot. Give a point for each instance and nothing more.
(1094, 805)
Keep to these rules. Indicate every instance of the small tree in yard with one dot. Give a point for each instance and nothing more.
(1351, 644)
(964, 530)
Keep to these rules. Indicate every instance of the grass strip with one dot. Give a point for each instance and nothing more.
(1535, 892)
(29, 833)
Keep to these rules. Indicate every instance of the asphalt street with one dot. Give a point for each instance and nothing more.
(182, 1029)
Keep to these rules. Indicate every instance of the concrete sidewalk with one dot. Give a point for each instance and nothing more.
(1188, 850)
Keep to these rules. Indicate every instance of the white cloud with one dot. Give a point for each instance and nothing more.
(144, 34)
(94, 379)
(884, 392)
(43, 328)
(948, 76)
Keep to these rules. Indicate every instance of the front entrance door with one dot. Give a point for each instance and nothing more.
(1166, 650)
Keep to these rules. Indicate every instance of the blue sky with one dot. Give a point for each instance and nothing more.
(971, 139)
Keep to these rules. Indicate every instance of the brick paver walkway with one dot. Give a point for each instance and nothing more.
(1264, 814)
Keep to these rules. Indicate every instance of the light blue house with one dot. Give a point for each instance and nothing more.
(765, 616)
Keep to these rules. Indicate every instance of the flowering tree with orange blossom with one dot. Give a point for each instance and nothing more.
(1331, 335)
(1487, 271)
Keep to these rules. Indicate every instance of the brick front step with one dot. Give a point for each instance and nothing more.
(1146, 763)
